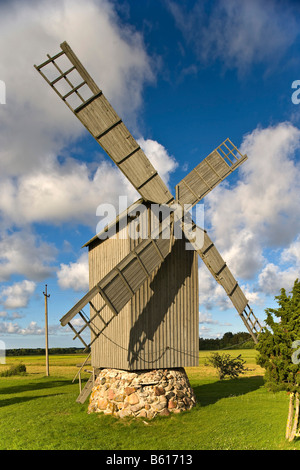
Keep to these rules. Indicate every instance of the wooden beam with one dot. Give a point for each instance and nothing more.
(80, 68)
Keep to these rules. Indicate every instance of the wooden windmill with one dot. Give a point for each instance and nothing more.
(143, 293)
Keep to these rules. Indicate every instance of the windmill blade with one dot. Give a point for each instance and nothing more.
(209, 173)
(220, 271)
(88, 103)
(122, 282)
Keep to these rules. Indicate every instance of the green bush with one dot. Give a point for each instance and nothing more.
(19, 369)
(227, 365)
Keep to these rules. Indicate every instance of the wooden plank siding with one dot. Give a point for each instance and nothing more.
(164, 314)
(103, 257)
(158, 327)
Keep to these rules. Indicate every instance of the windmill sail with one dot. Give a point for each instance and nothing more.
(222, 274)
(80, 93)
(90, 106)
(209, 173)
(122, 282)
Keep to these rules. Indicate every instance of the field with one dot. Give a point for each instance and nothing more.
(39, 412)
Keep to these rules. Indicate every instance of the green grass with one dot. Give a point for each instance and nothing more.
(38, 412)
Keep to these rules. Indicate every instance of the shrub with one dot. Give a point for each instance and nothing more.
(19, 369)
(227, 365)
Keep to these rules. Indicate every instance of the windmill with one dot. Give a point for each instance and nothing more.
(145, 260)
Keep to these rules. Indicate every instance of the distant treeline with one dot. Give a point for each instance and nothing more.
(230, 340)
(41, 351)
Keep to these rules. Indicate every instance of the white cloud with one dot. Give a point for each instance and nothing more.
(211, 294)
(9, 327)
(282, 275)
(54, 192)
(291, 254)
(18, 294)
(272, 279)
(261, 211)
(206, 318)
(255, 223)
(36, 185)
(205, 332)
(26, 254)
(245, 256)
(74, 275)
(159, 157)
(9, 316)
(237, 33)
(14, 328)
(62, 193)
(254, 297)
(113, 53)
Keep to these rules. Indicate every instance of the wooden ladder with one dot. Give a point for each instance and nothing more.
(84, 88)
(84, 392)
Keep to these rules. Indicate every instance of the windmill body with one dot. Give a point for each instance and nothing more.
(143, 295)
(157, 328)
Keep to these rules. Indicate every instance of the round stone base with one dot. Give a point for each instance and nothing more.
(144, 394)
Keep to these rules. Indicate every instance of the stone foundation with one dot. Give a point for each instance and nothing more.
(144, 394)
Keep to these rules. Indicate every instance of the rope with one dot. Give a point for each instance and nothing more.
(163, 351)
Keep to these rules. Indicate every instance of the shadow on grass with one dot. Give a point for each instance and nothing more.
(17, 400)
(210, 393)
(32, 386)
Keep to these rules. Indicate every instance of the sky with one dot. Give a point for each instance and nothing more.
(183, 76)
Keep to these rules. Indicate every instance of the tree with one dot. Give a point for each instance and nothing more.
(227, 365)
(277, 354)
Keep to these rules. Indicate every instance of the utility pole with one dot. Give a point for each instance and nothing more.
(46, 329)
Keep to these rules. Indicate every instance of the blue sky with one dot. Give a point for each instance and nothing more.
(184, 76)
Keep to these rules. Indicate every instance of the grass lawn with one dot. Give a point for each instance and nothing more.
(39, 412)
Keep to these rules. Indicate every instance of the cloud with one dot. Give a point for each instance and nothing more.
(261, 211)
(40, 180)
(282, 275)
(211, 294)
(54, 192)
(9, 316)
(291, 254)
(14, 328)
(25, 254)
(271, 280)
(113, 53)
(205, 332)
(74, 275)
(255, 223)
(159, 157)
(239, 34)
(18, 294)
(207, 318)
